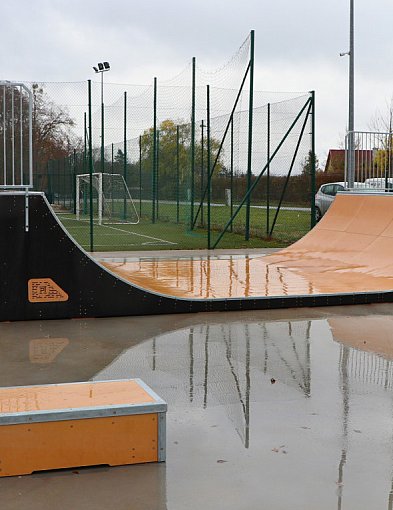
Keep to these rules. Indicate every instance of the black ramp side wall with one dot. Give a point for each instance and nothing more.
(46, 251)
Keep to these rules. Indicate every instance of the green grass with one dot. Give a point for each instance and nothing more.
(167, 234)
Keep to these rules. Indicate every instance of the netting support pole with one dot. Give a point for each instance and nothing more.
(231, 197)
(100, 201)
(153, 170)
(209, 175)
(125, 155)
(77, 210)
(202, 166)
(85, 142)
(268, 172)
(48, 172)
(177, 174)
(250, 119)
(61, 189)
(90, 168)
(313, 160)
(112, 158)
(192, 197)
(157, 169)
(102, 125)
(64, 182)
(140, 175)
(73, 182)
(112, 201)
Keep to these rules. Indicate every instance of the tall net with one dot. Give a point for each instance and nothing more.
(187, 157)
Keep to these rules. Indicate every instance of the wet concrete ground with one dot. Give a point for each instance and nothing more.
(289, 409)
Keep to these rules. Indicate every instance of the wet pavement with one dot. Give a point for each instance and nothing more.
(285, 409)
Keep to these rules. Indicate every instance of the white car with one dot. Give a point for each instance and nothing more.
(379, 183)
(326, 194)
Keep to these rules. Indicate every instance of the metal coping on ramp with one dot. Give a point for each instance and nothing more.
(345, 259)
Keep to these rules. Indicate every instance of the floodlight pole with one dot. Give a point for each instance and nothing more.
(351, 100)
(102, 68)
(102, 123)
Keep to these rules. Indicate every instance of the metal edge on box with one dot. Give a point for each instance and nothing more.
(148, 390)
(80, 413)
(161, 437)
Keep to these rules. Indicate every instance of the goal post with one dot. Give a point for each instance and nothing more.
(112, 200)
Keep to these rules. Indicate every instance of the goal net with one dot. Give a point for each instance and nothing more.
(112, 201)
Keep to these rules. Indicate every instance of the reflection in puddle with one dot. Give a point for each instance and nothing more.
(307, 403)
(45, 350)
(209, 365)
(255, 369)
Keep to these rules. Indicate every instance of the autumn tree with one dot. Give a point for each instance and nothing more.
(168, 152)
(53, 136)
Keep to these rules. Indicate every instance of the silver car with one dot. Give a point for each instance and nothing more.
(325, 197)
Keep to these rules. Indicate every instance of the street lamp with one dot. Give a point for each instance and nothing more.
(351, 98)
(101, 68)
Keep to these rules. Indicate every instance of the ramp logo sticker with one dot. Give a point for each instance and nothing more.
(45, 290)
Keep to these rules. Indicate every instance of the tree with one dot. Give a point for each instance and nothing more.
(168, 152)
(53, 137)
(307, 166)
(382, 125)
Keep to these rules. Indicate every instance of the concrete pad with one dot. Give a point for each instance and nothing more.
(268, 409)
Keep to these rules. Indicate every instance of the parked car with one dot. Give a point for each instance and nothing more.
(326, 194)
(379, 183)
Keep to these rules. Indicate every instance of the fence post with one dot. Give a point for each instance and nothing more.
(209, 176)
(90, 168)
(125, 155)
(250, 119)
(202, 168)
(268, 174)
(177, 174)
(112, 201)
(50, 190)
(73, 184)
(231, 197)
(157, 170)
(85, 142)
(140, 175)
(192, 146)
(313, 159)
(153, 172)
(64, 182)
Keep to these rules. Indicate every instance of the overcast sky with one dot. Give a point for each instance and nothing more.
(297, 46)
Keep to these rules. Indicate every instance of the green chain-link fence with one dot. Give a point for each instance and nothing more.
(177, 164)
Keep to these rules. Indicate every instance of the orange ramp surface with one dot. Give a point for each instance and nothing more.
(349, 251)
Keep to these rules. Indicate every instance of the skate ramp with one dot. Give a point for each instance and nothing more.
(345, 259)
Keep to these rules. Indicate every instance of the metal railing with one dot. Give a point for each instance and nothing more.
(16, 140)
(369, 160)
(16, 135)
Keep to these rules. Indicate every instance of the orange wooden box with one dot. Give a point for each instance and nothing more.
(80, 424)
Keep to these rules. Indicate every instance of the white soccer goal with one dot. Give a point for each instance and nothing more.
(112, 201)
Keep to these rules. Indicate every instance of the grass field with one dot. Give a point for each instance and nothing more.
(166, 234)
